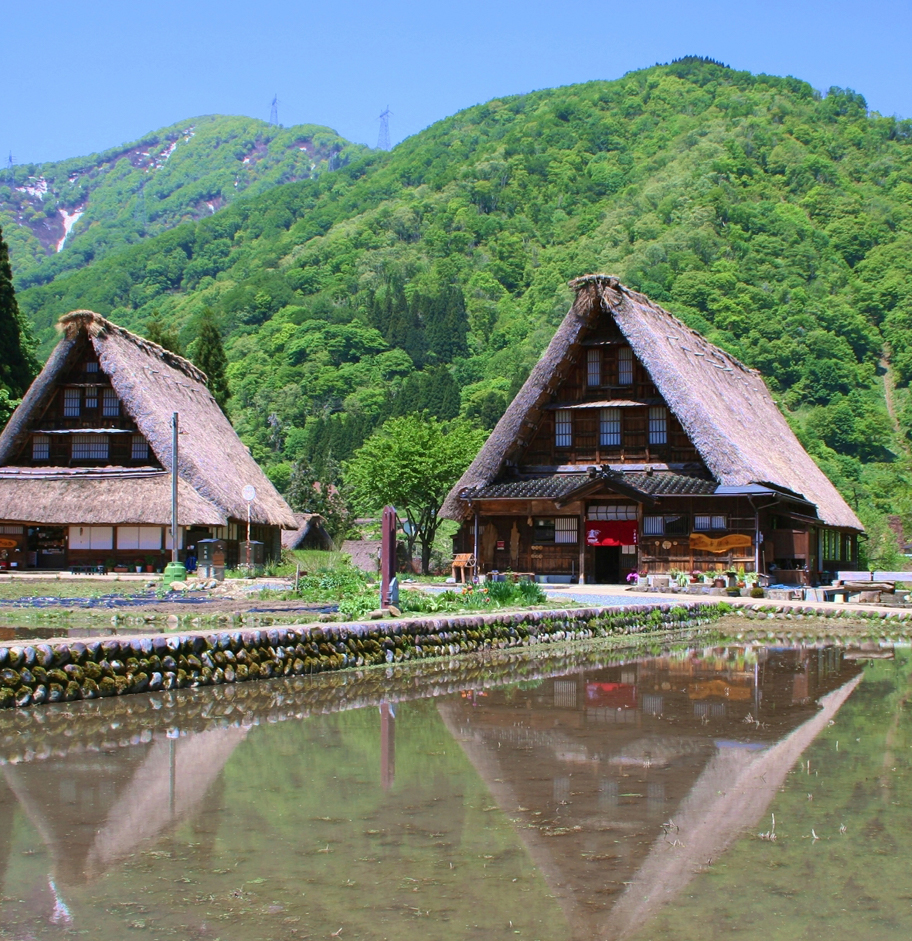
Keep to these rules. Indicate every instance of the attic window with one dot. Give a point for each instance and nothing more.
(71, 401)
(91, 366)
(705, 523)
(563, 428)
(625, 366)
(594, 367)
(140, 449)
(110, 404)
(41, 448)
(91, 399)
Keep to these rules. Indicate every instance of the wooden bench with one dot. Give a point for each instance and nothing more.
(461, 562)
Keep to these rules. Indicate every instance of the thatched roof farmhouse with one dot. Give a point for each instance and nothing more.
(85, 459)
(635, 444)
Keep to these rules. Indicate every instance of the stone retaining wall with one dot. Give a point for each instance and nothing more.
(32, 675)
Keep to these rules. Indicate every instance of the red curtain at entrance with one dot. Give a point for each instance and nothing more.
(611, 532)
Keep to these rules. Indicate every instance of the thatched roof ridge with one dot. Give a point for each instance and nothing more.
(725, 407)
(151, 384)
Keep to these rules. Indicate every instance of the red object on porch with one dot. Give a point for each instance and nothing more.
(611, 532)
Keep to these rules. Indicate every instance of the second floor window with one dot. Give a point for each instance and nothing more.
(563, 428)
(610, 428)
(71, 402)
(658, 425)
(110, 404)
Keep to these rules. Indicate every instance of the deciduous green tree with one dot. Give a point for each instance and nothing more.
(411, 463)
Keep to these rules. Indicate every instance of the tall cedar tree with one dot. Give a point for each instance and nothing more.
(210, 357)
(18, 365)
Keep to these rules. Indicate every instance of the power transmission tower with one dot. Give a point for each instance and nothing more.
(274, 112)
(383, 138)
(9, 165)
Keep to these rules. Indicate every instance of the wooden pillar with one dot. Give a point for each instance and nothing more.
(582, 545)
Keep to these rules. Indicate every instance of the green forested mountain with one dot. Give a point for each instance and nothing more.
(775, 220)
(60, 216)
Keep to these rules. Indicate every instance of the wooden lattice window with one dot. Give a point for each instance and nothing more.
(566, 529)
(139, 450)
(658, 425)
(625, 366)
(563, 428)
(610, 428)
(72, 400)
(90, 447)
(41, 448)
(594, 367)
(110, 404)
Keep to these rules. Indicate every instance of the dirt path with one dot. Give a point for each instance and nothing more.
(891, 405)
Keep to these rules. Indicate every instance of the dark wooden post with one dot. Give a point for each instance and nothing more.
(389, 589)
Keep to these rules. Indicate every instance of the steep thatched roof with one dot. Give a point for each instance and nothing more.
(725, 408)
(309, 524)
(151, 383)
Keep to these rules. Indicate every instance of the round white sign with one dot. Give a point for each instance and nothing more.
(249, 493)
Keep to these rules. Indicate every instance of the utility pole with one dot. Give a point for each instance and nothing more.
(174, 570)
(274, 111)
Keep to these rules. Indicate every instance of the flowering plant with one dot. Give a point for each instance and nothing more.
(633, 577)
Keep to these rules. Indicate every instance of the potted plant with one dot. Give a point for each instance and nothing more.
(150, 563)
(109, 565)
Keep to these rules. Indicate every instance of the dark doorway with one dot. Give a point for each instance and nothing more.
(607, 565)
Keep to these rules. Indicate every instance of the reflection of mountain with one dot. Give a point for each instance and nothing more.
(623, 783)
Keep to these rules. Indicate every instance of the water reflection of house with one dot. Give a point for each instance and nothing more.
(591, 766)
(94, 813)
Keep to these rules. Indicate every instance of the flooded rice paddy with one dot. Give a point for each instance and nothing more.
(737, 790)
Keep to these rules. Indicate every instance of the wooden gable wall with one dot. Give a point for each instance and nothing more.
(620, 377)
(95, 406)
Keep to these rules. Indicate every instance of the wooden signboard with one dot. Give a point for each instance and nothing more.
(721, 544)
(8, 544)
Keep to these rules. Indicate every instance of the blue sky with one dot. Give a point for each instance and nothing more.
(81, 77)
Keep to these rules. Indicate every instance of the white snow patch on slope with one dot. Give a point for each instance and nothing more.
(38, 188)
(69, 220)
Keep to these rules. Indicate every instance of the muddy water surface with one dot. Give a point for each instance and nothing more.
(743, 791)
